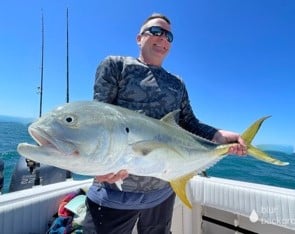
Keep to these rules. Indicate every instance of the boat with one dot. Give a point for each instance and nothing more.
(220, 206)
(28, 173)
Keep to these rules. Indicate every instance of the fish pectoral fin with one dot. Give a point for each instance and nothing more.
(260, 155)
(179, 187)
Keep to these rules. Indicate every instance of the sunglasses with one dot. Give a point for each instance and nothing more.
(158, 31)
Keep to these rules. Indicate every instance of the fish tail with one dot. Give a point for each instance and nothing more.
(249, 135)
(179, 184)
(260, 155)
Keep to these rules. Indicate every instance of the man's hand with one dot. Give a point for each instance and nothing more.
(112, 177)
(225, 137)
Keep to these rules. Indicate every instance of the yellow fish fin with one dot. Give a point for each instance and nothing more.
(257, 153)
(179, 187)
(248, 136)
(251, 131)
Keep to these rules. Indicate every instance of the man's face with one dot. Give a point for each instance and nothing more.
(154, 48)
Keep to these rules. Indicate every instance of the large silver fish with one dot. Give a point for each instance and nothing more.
(94, 138)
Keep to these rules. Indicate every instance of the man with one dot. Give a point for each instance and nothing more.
(141, 84)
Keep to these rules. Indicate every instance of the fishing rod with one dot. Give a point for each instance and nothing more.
(68, 173)
(42, 65)
(68, 79)
(32, 165)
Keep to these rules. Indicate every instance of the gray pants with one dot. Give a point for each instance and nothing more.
(156, 220)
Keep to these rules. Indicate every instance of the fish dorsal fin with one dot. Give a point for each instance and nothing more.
(179, 187)
(171, 117)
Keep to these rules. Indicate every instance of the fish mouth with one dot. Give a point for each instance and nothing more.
(41, 137)
(44, 140)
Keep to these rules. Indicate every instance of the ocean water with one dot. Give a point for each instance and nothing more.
(11, 133)
(232, 167)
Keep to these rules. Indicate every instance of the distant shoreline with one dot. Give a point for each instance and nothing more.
(6, 118)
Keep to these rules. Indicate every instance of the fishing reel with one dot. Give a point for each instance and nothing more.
(33, 167)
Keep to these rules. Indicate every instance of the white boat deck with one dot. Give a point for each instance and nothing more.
(219, 206)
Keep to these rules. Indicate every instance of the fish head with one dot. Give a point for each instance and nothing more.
(77, 133)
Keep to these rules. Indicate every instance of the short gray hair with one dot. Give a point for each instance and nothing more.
(154, 16)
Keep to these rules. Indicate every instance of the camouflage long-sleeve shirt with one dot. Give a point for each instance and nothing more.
(127, 82)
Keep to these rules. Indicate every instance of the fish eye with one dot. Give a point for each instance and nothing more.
(127, 129)
(69, 119)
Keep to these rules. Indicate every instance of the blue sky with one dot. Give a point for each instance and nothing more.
(237, 57)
